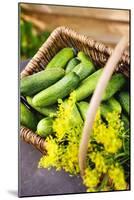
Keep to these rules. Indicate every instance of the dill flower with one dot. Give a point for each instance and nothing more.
(115, 122)
(116, 173)
(99, 161)
(68, 118)
(52, 154)
(91, 178)
(67, 127)
(70, 159)
(106, 140)
(109, 135)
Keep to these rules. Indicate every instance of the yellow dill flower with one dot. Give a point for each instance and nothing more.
(91, 189)
(62, 150)
(115, 122)
(99, 161)
(70, 159)
(116, 173)
(108, 135)
(68, 118)
(51, 158)
(60, 124)
(91, 178)
(98, 119)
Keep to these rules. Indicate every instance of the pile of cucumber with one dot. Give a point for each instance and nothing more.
(68, 72)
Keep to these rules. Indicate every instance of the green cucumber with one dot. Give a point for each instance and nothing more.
(59, 90)
(85, 59)
(45, 127)
(126, 121)
(105, 107)
(82, 69)
(39, 116)
(75, 118)
(33, 84)
(117, 81)
(27, 118)
(71, 64)
(47, 111)
(85, 68)
(114, 105)
(109, 106)
(61, 58)
(124, 99)
(88, 85)
(83, 107)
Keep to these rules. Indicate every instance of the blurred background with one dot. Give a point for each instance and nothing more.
(38, 21)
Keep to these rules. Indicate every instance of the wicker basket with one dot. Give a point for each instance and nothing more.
(60, 38)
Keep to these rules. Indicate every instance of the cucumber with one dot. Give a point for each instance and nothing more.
(124, 100)
(105, 107)
(57, 91)
(82, 70)
(71, 64)
(85, 68)
(109, 106)
(126, 121)
(33, 84)
(115, 84)
(114, 105)
(47, 111)
(88, 85)
(27, 118)
(83, 107)
(45, 127)
(85, 59)
(39, 116)
(75, 118)
(61, 58)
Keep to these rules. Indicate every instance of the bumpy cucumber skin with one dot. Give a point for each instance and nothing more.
(126, 121)
(33, 84)
(61, 58)
(57, 91)
(115, 84)
(46, 111)
(85, 68)
(114, 105)
(105, 107)
(109, 106)
(88, 85)
(124, 99)
(84, 58)
(83, 107)
(27, 118)
(75, 117)
(45, 127)
(71, 65)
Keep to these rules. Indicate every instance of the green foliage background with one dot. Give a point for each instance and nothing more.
(30, 39)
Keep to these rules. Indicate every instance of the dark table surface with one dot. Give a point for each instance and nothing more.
(34, 181)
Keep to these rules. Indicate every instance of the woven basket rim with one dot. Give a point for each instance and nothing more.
(86, 40)
(34, 66)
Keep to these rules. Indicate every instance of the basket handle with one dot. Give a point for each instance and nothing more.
(96, 99)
